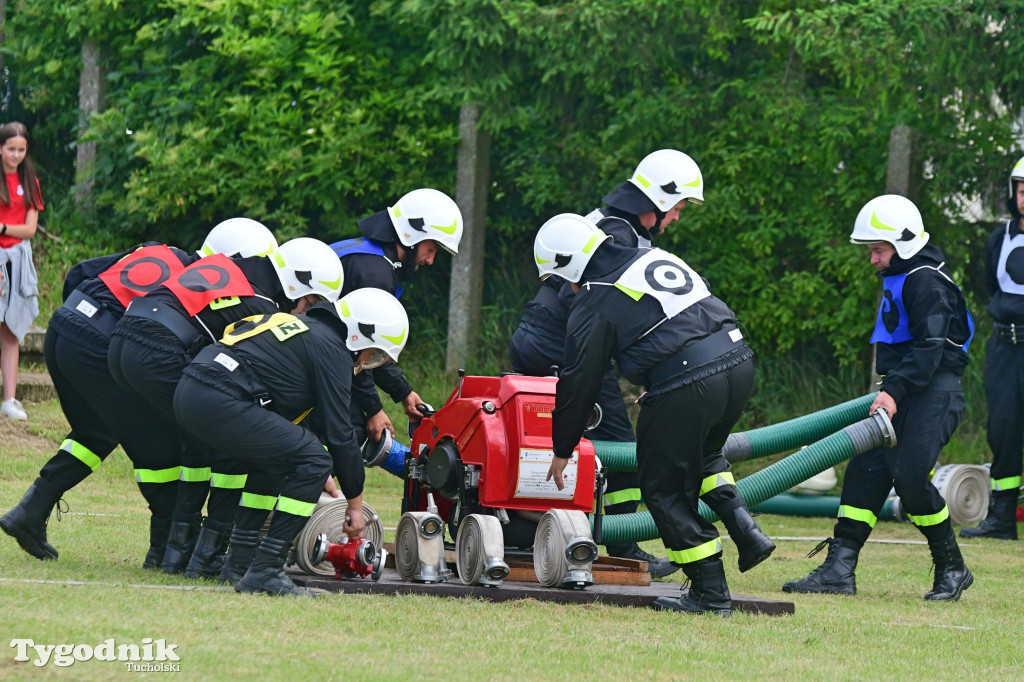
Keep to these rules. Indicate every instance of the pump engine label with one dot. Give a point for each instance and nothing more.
(533, 469)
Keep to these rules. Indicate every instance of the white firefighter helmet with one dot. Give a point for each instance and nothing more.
(239, 238)
(667, 177)
(377, 323)
(565, 244)
(308, 266)
(427, 214)
(894, 219)
(1017, 173)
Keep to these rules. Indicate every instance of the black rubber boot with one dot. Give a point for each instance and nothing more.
(180, 542)
(836, 573)
(708, 591)
(267, 571)
(1001, 522)
(159, 529)
(952, 576)
(658, 568)
(241, 550)
(208, 554)
(751, 542)
(26, 522)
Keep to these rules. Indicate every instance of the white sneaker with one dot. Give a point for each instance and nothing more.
(13, 409)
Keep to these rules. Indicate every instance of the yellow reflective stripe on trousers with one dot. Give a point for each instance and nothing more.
(1008, 483)
(81, 453)
(848, 512)
(295, 507)
(620, 496)
(228, 481)
(254, 501)
(930, 519)
(688, 556)
(157, 475)
(190, 475)
(716, 481)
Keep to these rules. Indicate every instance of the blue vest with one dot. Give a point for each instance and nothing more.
(347, 247)
(892, 324)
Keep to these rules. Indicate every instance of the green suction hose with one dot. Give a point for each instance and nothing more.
(854, 439)
(788, 504)
(767, 440)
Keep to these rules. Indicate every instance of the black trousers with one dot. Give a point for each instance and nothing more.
(1004, 392)
(101, 415)
(263, 443)
(149, 369)
(924, 422)
(679, 435)
(533, 350)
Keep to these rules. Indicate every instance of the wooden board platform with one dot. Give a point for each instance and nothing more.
(510, 590)
(606, 570)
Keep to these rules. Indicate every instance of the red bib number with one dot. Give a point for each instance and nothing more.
(207, 280)
(140, 272)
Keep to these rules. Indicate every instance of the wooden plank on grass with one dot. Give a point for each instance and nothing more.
(615, 595)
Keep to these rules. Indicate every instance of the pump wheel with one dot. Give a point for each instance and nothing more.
(329, 518)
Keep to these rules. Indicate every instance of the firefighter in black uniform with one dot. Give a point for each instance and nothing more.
(100, 413)
(1004, 367)
(242, 396)
(636, 211)
(395, 243)
(658, 319)
(162, 331)
(923, 331)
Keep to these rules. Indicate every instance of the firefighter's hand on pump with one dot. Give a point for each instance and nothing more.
(885, 402)
(355, 524)
(331, 488)
(558, 465)
(376, 425)
(411, 405)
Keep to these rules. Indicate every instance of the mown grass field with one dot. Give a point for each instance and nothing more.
(97, 591)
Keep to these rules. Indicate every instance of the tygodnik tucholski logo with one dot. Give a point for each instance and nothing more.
(152, 655)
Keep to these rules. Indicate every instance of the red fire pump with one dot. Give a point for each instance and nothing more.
(488, 450)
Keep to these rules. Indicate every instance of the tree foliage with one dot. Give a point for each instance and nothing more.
(309, 115)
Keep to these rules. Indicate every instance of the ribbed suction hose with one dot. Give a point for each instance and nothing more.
(564, 550)
(329, 517)
(855, 439)
(480, 551)
(762, 442)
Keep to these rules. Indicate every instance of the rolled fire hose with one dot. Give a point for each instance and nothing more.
(419, 548)
(480, 551)
(765, 484)
(767, 440)
(329, 517)
(964, 487)
(564, 550)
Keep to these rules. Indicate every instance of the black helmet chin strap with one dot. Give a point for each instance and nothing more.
(1011, 203)
(405, 273)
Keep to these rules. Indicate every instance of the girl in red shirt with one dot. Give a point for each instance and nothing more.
(20, 203)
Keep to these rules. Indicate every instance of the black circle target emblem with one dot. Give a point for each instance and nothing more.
(668, 276)
(890, 313)
(147, 282)
(1015, 265)
(193, 279)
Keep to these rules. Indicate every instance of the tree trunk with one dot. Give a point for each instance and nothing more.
(903, 176)
(91, 93)
(466, 290)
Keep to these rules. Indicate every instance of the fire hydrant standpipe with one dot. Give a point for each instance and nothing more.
(857, 438)
(762, 442)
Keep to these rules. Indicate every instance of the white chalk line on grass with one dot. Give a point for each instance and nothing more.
(89, 583)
